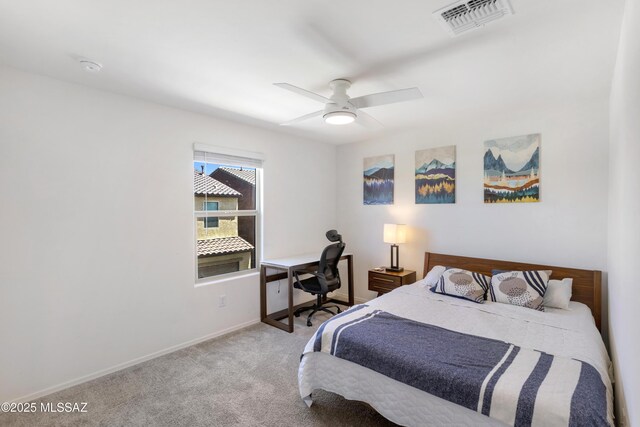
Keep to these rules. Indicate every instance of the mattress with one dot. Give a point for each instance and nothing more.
(568, 333)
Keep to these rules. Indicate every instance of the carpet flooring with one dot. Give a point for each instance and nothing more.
(246, 378)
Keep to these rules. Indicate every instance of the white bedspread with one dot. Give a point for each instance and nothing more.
(569, 333)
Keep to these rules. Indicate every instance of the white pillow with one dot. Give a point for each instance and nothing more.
(558, 293)
(433, 276)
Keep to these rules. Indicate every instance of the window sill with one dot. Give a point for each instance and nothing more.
(243, 275)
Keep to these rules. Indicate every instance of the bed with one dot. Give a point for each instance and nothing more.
(565, 345)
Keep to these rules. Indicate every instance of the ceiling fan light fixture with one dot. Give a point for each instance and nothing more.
(341, 109)
(339, 117)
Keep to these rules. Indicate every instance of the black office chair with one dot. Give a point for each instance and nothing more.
(326, 279)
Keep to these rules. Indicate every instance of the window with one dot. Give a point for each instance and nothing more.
(210, 222)
(226, 212)
(221, 268)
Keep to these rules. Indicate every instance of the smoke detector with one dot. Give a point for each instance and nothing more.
(89, 65)
(467, 15)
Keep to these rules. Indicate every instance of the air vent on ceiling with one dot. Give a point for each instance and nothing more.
(468, 15)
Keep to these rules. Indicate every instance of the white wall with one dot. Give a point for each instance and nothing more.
(624, 218)
(96, 246)
(568, 226)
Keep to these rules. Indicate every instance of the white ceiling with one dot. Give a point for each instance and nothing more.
(221, 57)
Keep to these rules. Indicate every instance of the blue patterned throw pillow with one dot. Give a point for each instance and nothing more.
(521, 288)
(460, 283)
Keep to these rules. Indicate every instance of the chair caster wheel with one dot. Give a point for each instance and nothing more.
(339, 311)
(309, 323)
(296, 314)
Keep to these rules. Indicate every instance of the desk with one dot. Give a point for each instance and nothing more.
(285, 268)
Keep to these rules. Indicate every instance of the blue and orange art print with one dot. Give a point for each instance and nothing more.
(435, 175)
(378, 180)
(512, 170)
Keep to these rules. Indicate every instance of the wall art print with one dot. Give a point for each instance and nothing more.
(512, 169)
(435, 175)
(378, 180)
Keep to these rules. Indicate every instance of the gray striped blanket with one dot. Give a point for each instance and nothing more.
(515, 385)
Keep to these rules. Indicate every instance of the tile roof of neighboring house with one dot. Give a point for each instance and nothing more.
(223, 245)
(244, 174)
(204, 184)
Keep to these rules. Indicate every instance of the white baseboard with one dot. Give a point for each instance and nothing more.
(103, 372)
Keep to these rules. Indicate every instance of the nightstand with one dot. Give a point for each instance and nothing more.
(386, 281)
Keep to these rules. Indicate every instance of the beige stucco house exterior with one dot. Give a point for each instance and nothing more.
(220, 248)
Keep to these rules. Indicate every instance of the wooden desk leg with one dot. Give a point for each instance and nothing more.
(263, 293)
(290, 280)
(350, 274)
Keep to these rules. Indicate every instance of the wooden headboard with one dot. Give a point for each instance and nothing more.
(586, 283)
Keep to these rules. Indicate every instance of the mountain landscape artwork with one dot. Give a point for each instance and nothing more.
(378, 180)
(435, 175)
(512, 170)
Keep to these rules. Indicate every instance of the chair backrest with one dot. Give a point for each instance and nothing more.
(328, 264)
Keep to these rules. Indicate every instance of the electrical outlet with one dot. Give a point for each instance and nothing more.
(223, 301)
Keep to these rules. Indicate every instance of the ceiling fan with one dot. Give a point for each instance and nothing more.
(340, 109)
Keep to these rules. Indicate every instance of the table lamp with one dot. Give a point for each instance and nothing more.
(394, 234)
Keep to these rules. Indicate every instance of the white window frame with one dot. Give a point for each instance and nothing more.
(225, 152)
(204, 207)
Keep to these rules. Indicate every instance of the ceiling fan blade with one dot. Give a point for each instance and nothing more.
(384, 98)
(368, 121)
(303, 92)
(303, 118)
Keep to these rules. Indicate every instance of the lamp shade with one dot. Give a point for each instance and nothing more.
(395, 233)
